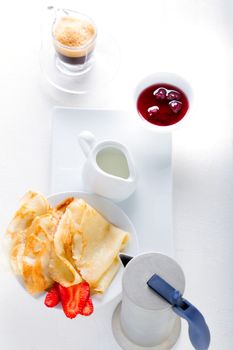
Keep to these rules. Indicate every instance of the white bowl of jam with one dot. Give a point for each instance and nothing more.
(163, 101)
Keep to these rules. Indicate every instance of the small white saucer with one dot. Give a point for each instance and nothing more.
(126, 344)
(106, 59)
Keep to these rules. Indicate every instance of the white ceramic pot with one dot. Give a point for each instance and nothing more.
(144, 319)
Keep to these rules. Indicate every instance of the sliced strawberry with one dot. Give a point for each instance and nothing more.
(88, 308)
(52, 297)
(74, 298)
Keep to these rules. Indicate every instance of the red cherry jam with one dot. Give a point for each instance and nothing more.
(162, 104)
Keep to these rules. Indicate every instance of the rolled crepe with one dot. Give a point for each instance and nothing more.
(37, 252)
(101, 243)
(62, 267)
(32, 204)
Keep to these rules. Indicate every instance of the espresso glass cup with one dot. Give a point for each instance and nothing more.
(74, 38)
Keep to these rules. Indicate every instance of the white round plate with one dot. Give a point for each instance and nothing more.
(116, 216)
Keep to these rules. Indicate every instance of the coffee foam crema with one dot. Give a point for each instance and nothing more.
(74, 36)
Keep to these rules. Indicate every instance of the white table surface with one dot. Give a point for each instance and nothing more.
(193, 38)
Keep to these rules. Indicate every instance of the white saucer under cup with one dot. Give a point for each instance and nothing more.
(144, 319)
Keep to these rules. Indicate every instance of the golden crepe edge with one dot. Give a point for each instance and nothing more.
(31, 205)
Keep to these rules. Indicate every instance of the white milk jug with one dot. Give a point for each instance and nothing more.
(108, 170)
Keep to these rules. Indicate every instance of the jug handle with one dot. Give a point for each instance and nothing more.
(87, 141)
(199, 333)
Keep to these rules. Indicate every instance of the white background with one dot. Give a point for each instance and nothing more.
(193, 38)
